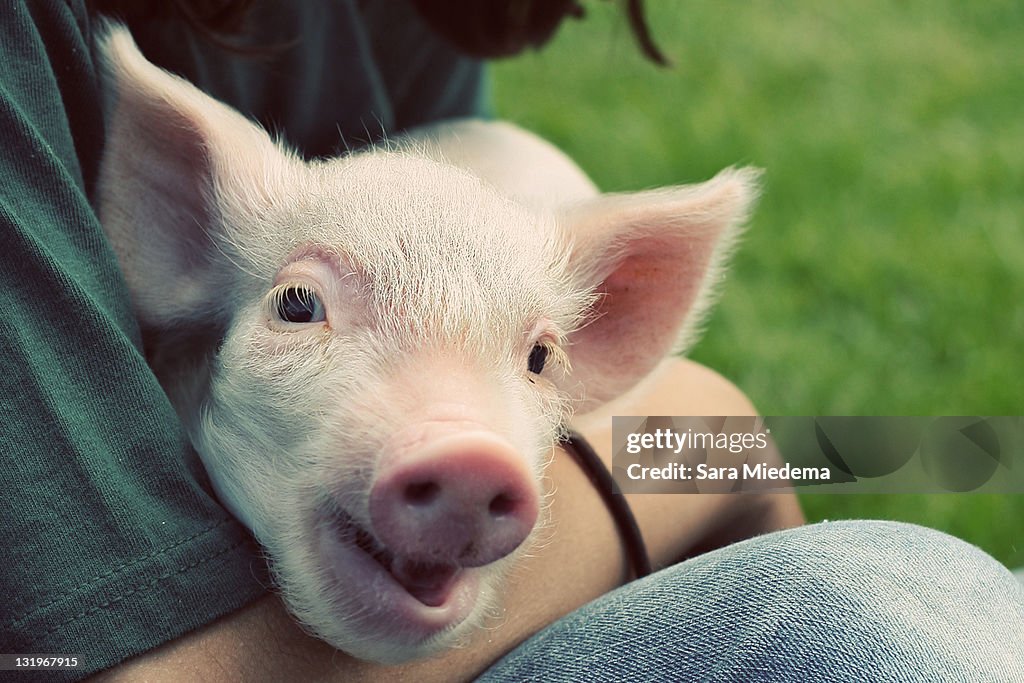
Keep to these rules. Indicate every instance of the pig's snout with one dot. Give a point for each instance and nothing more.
(468, 501)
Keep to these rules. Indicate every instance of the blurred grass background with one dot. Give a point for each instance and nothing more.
(883, 273)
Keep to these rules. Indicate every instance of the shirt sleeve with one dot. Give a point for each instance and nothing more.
(112, 541)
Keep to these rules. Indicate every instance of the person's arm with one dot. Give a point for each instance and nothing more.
(578, 558)
(679, 526)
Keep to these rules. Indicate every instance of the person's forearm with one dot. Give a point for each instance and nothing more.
(678, 526)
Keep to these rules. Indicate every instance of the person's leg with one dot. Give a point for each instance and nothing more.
(839, 601)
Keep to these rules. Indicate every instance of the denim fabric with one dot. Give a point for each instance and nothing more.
(839, 601)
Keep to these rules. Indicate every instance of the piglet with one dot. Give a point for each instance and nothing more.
(374, 354)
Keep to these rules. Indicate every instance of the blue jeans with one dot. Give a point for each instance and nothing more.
(837, 601)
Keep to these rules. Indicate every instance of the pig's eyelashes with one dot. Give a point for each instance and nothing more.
(298, 304)
(547, 353)
(538, 357)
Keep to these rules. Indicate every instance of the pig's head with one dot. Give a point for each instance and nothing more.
(374, 354)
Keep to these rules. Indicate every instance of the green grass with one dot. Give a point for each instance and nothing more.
(884, 270)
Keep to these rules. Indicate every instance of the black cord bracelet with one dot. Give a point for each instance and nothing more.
(601, 479)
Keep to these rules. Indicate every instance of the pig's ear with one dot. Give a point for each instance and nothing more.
(653, 259)
(170, 151)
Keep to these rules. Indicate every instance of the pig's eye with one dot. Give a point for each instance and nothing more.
(538, 356)
(300, 305)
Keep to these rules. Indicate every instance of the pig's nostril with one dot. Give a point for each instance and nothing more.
(502, 505)
(421, 493)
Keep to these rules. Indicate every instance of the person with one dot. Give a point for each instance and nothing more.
(118, 551)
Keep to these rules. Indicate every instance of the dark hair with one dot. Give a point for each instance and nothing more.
(500, 28)
(481, 28)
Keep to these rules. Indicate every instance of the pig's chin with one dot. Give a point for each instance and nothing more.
(406, 602)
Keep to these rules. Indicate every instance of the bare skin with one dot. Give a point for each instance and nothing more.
(581, 559)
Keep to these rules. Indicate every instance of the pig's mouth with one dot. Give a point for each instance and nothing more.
(430, 583)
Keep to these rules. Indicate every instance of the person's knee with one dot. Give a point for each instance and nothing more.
(897, 596)
(885, 552)
(881, 566)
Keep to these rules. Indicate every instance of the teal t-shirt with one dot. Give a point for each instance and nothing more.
(112, 540)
